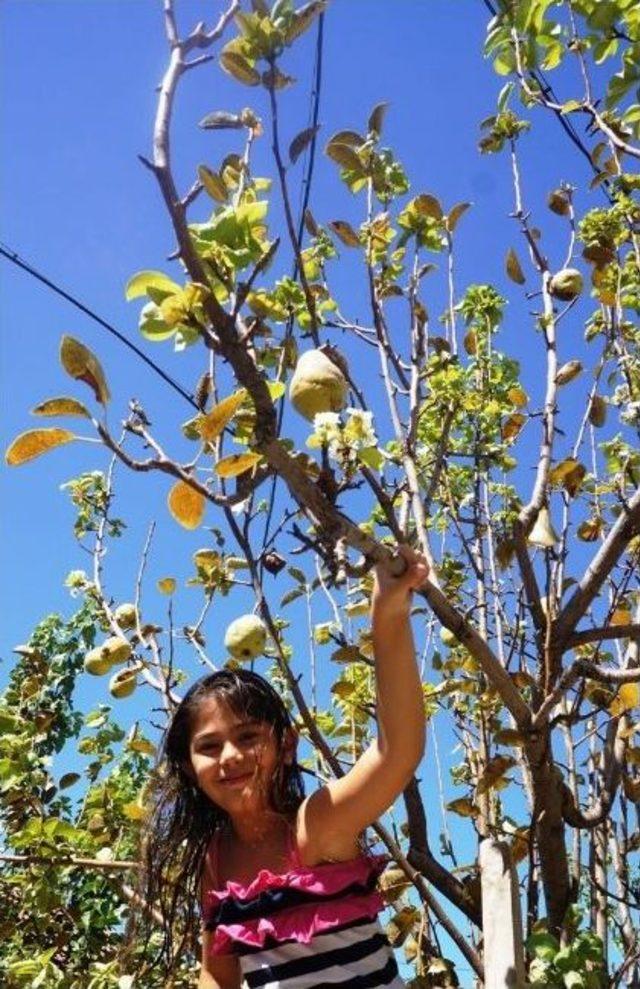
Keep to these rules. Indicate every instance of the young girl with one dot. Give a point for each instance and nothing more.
(287, 893)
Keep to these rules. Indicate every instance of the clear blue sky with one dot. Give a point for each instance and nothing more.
(78, 205)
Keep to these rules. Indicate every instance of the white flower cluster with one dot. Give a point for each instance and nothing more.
(343, 440)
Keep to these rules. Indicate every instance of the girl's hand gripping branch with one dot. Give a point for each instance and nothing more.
(336, 814)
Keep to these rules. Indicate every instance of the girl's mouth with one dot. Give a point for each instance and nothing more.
(236, 780)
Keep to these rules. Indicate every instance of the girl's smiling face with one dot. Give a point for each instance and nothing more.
(233, 757)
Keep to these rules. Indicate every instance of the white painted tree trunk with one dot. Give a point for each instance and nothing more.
(501, 918)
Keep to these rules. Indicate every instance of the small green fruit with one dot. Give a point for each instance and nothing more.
(566, 284)
(246, 637)
(126, 616)
(317, 385)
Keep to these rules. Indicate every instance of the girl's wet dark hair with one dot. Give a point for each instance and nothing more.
(182, 819)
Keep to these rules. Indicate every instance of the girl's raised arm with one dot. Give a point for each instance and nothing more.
(331, 818)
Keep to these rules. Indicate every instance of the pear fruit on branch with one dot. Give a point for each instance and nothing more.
(246, 637)
(566, 284)
(319, 383)
(124, 682)
(126, 615)
(113, 650)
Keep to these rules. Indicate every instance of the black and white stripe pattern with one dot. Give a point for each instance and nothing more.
(354, 956)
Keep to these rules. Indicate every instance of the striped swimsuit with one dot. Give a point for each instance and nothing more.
(308, 928)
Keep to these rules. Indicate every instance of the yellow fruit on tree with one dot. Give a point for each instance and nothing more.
(96, 662)
(126, 615)
(566, 284)
(245, 637)
(124, 682)
(317, 385)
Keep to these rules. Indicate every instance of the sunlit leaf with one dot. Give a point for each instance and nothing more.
(464, 807)
(237, 463)
(186, 505)
(512, 426)
(235, 65)
(493, 776)
(80, 363)
(626, 699)
(345, 156)
(590, 530)
(212, 424)
(34, 442)
(62, 406)
(166, 585)
(139, 283)
(213, 184)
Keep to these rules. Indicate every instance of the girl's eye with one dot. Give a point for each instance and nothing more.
(251, 736)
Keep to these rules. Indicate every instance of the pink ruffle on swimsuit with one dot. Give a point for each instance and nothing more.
(311, 926)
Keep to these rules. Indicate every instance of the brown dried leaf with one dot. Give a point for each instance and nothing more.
(513, 268)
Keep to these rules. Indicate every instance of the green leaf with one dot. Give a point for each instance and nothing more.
(239, 68)
(139, 283)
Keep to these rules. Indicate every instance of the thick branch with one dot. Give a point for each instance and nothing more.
(421, 857)
(613, 762)
(626, 526)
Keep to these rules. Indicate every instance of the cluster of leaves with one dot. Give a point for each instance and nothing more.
(578, 965)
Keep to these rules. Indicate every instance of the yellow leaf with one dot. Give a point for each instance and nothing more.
(142, 745)
(568, 372)
(355, 608)
(186, 505)
(31, 444)
(211, 425)
(621, 616)
(238, 67)
(237, 463)
(213, 184)
(143, 280)
(493, 775)
(464, 807)
(512, 426)
(626, 699)
(80, 363)
(518, 396)
(166, 585)
(633, 756)
(61, 407)
(590, 530)
(133, 811)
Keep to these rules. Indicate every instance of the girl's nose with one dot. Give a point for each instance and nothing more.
(230, 752)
